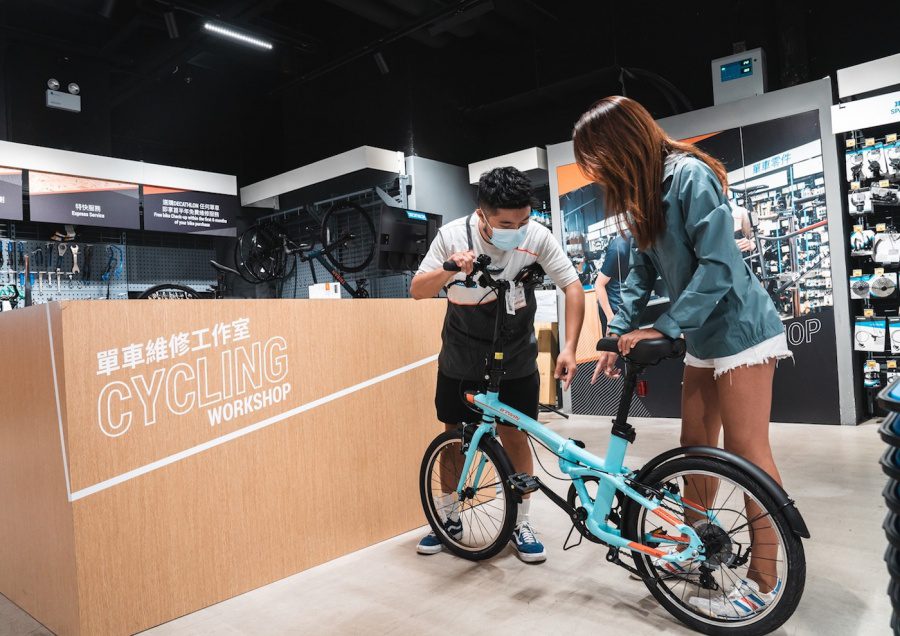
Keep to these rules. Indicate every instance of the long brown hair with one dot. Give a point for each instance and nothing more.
(620, 147)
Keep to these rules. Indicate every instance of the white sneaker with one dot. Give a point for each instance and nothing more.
(742, 601)
(676, 569)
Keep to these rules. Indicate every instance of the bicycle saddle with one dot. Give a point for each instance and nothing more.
(646, 351)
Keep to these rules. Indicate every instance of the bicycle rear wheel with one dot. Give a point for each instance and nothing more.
(487, 513)
(348, 237)
(745, 538)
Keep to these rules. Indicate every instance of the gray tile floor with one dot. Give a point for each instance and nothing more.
(389, 589)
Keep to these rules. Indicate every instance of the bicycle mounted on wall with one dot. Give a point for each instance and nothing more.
(347, 236)
(263, 254)
(683, 541)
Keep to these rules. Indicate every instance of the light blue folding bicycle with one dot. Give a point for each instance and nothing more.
(713, 537)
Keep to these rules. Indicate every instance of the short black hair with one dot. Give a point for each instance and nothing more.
(507, 188)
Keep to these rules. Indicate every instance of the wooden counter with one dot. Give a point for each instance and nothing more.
(157, 457)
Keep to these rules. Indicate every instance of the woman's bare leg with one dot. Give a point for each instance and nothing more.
(700, 426)
(745, 402)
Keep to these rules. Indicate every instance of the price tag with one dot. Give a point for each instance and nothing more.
(854, 185)
(891, 364)
(872, 365)
(857, 272)
(868, 313)
(870, 141)
(857, 228)
(879, 271)
(881, 227)
(891, 137)
(851, 143)
(884, 183)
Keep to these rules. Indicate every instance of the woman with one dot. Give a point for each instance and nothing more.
(670, 195)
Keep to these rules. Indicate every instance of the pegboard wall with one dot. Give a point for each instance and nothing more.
(154, 265)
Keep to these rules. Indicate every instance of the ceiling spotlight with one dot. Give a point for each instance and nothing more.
(74, 88)
(53, 84)
(381, 63)
(171, 24)
(230, 33)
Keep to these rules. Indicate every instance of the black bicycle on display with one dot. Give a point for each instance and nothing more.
(346, 238)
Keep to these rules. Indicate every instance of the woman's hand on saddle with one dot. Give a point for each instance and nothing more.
(628, 340)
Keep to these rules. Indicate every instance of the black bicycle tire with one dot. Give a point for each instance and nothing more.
(796, 579)
(324, 238)
(495, 453)
(892, 496)
(145, 295)
(241, 265)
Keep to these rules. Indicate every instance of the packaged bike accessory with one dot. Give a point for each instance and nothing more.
(886, 248)
(860, 202)
(871, 374)
(869, 334)
(854, 166)
(861, 241)
(859, 287)
(883, 285)
(884, 196)
(874, 166)
(893, 156)
(895, 334)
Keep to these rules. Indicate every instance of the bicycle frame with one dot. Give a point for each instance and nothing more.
(574, 461)
(319, 256)
(577, 464)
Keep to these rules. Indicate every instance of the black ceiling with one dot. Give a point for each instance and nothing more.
(464, 80)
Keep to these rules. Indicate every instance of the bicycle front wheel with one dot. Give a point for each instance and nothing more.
(754, 570)
(480, 524)
(348, 237)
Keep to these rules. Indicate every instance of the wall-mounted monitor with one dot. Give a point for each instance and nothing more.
(57, 198)
(190, 212)
(10, 194)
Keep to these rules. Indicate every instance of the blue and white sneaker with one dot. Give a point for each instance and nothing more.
(528, 548)
(744, 600)
(430, 544)
(673, 568)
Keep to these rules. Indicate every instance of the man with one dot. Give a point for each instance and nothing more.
(500, 229)
(608, 286)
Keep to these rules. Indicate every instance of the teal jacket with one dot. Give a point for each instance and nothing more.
(716, 301)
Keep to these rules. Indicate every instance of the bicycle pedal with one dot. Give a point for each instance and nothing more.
(523, 483)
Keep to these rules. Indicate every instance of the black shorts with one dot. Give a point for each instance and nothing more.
(452, 408)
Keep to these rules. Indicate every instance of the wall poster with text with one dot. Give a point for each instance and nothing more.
(190, 212)
(64, 199)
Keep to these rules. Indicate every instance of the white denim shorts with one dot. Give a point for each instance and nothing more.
(773, 348)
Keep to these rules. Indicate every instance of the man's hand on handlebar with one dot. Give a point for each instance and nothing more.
(463, 260)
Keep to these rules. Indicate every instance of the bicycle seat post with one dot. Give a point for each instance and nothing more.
(621, 427)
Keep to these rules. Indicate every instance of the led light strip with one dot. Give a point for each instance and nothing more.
(235, 35)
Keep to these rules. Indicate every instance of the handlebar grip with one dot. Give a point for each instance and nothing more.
(450, 266)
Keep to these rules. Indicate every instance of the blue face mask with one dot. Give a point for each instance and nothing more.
(507, 239)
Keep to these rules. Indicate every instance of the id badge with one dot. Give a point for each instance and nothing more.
(519, 297)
